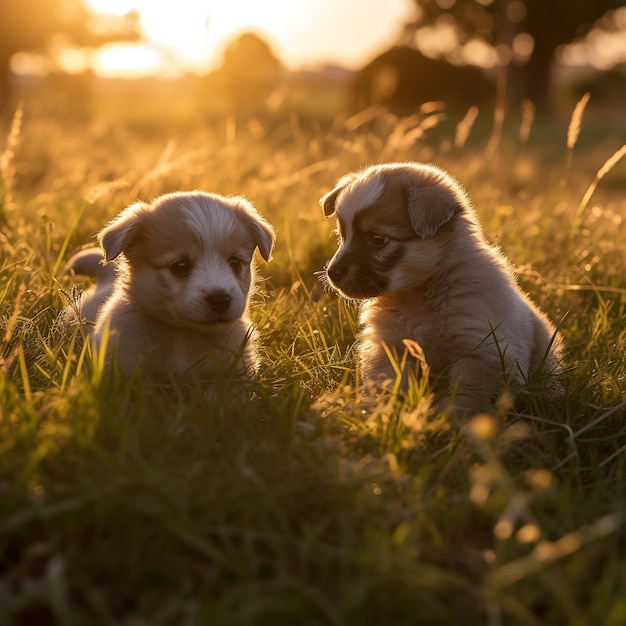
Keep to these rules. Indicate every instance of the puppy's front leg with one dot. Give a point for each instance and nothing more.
(473, 381)
(381, 365)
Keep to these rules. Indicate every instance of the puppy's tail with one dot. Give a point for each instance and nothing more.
(88, 262)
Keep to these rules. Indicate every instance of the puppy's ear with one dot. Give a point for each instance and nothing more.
(327, 201)
(116, 236)
(431, 207)
(265, 236)
(262, 232)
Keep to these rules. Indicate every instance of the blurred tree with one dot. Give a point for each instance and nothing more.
(30, 25)
(249, 72)
(526, 32)
(402, 78)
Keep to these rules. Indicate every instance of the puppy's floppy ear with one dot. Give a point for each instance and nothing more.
(262, 232)
(327, 201)
(116, 236)
(265, 237)
(432, 205)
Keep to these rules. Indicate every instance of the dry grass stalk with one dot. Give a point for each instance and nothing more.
(7, 168)
(433, 106)
(573, 130)
(528, 117)
(498, 114)
(609, 164)
(464, 127)
(359, 119)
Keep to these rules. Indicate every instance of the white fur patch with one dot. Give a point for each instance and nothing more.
(358, 194)
(212, 225)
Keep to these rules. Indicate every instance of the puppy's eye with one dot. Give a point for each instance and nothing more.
(180, 268)
(235, 264)
(374, 240)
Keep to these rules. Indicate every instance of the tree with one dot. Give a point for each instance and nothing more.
(402, 78)
(249, 72)
(550, 24)
(30, 25)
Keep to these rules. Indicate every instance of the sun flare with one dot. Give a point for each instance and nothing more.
(169, 32)
(192, 32)
(190, 35)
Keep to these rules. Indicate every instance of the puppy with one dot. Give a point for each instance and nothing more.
(177, 303)
(411, 247)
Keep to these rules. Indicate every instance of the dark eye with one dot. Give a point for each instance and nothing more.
(235, 264)
(180, 268)
(374, 240)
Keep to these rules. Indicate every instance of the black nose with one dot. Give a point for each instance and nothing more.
(335, 273)
(219, 302)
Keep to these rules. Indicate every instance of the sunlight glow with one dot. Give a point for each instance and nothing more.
(136, 60)
(192, 35)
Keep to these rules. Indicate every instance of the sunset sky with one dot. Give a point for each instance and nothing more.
(192, 34)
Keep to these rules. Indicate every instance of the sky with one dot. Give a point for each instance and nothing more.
(191, 34)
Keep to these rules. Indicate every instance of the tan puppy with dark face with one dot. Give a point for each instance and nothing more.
(411, 247)
(184, 274)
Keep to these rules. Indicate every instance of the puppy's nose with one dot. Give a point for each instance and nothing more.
(219, 301)
(335, 273)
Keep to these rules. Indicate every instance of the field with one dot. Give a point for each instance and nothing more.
(292, 503)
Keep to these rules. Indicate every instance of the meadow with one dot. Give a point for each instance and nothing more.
(293, 503)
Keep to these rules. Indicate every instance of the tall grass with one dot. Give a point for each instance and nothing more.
(289, 500)
(573, 130)
(7, 165)
(608, 165)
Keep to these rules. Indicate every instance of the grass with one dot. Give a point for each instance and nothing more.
(292, 503)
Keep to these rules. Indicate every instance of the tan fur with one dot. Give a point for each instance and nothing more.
(89, 262)
(447, 289)
(177, 307)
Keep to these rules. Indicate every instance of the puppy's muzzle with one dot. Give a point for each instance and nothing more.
(219, 302)
(335, 273)
(351, 277)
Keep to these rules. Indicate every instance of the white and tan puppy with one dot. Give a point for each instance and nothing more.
(177, 304)
(411, 247)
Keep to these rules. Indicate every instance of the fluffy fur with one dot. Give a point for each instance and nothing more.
(410, 247)
(177, 303)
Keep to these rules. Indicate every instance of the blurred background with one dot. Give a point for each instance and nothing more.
(244, 58)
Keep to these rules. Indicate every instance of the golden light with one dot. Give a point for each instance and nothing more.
(175, 38)
(134, 60)
(190, 35)
(188, 32)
